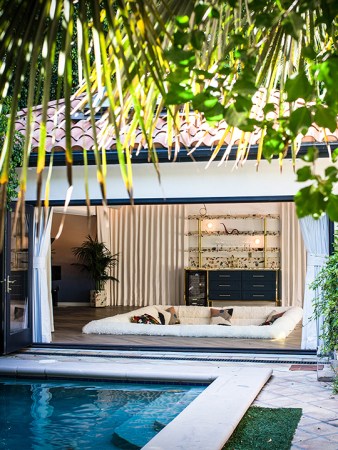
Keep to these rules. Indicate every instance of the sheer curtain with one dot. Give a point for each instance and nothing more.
(316, 238)
(150, 243)
(43, 322)
(293, 257)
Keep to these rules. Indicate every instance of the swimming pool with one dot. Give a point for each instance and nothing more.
(43, 415)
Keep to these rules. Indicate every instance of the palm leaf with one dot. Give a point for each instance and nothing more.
(129, 55)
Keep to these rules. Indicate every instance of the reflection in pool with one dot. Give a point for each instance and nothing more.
(73, 415)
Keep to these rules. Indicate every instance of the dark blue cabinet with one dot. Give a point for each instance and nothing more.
(204, 285)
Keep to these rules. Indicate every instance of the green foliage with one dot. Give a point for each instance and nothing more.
(318, 197)
(298, 86)
(57, 86)
(95, 258)
(326, 303)
(335, 385)
(265, 429)
(16, 156)
(242, 71)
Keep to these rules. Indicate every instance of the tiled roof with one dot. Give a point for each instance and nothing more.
(194, 132)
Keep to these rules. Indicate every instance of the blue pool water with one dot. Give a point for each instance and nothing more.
(50, 415)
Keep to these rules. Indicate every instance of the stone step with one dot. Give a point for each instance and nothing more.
(137, 431)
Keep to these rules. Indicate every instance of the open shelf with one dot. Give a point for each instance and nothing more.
(240, 240)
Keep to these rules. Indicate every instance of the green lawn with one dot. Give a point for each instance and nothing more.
(265, 428)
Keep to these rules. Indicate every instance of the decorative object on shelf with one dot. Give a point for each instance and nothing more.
(234, 231)
(203, 211)
(95, 258)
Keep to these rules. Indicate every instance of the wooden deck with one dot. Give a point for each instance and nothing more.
(68, 323)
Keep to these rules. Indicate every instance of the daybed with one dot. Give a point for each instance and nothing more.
(199, 321)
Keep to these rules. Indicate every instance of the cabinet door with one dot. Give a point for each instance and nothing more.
(259, 295)
(196, 287)
(225, 285)
(259, 280)
(259, 285)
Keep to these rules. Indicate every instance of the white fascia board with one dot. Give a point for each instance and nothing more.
(181, 180)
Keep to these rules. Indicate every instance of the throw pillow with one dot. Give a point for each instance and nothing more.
(166, 315)
(272, 317)
(161, 317)
(174, 320)
(220, 316)
(146, 319)
(269, 317)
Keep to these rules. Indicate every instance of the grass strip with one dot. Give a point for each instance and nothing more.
(265, 429)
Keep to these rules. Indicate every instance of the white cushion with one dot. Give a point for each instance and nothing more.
(193, 315)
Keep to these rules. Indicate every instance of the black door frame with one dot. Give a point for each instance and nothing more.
(11, 342)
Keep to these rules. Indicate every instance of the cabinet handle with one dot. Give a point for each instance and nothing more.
(258, 295)
(224, 276)
(257, 276)
(258, 285)
(224, 285)
(224, 295)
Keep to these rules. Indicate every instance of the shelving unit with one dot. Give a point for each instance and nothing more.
(246, 241)
(232, 258)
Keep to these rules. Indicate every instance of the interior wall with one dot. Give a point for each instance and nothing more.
(74, 285)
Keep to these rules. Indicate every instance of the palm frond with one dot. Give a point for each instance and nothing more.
(195, 58)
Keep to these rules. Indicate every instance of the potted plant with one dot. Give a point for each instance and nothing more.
(326, 307)
(95, 258)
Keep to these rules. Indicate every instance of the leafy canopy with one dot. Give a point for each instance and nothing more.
(259, 65)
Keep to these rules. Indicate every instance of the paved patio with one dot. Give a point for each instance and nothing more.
(318, 427)
(299, 388)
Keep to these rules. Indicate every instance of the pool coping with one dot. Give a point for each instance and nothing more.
(206, 423)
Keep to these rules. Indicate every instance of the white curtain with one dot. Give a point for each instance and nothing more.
(43, 322)
(150, 243)
(293, 257)
(316, 238)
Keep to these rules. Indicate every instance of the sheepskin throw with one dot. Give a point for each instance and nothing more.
(195, 321)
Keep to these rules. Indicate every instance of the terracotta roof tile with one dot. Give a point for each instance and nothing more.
(194, 131)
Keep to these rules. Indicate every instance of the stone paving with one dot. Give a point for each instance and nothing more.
(318, 427)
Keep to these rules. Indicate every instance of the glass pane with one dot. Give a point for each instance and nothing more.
(196, 287)
(17, 281)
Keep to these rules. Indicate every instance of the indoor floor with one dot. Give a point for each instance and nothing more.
(68, 323)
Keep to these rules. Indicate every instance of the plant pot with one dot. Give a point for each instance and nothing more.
(327, 366)
(98, 299)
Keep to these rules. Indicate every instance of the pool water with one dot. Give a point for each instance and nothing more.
(48, 415)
